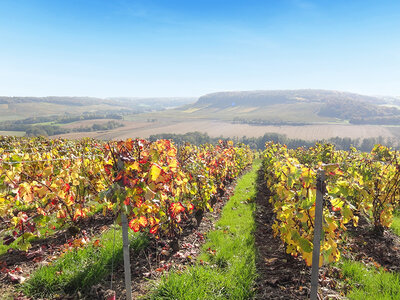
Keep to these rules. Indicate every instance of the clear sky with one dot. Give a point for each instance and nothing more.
(193, 47)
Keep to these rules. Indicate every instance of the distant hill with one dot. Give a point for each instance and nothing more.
(15, 108)
(314, 105)
(262, 98)
(86, 101)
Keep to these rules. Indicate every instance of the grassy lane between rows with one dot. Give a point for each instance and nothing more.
(396, 223)
(226, 268)
(81, 268)
(370, 283)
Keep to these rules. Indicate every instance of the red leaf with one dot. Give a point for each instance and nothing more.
(108, 168)
(154, 229)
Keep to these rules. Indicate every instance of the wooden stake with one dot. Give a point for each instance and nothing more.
(127, 264)
(317, 234)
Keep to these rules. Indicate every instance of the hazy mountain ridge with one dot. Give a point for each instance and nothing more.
(352, 107)
(84, 101)
(81, 101)
(269, 97)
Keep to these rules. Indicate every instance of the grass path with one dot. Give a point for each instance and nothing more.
(226, 268)
(80, 269)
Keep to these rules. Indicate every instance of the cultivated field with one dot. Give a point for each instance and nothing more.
(16, 111)
(226, 129)
(16, 133)
(87, 123)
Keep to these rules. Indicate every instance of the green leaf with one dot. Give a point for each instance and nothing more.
(305, 245)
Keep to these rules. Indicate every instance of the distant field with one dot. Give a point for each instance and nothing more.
(86, 123)
(15, 133)
(129, 130)
(25, 110)
(289, 112)
(226, 129)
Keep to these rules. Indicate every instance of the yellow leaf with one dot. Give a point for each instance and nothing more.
(332, 226)
(42, 191)
(47, 172)
(61, 194)
(308, 258)
(14, 221)
(355, 221)
(134, 166)
(155, 172)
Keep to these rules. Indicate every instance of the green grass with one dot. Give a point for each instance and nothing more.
(396, 223)
(231, 271)
(370, 283)
(79, 269)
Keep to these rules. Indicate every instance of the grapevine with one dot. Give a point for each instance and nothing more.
(357, 184)
(157, 185)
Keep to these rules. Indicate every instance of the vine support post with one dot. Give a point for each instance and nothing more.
(125, 239)
(127, 264)
(317, 234)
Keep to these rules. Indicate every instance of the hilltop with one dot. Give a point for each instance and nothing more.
(14, 108)
(270, 97)
(299, 106)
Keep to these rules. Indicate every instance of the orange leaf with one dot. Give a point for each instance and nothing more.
(143, 221)
(41, 211)
(176, 208)
(134, 225)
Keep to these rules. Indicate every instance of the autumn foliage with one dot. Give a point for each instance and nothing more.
(49, 183)
(356, 185)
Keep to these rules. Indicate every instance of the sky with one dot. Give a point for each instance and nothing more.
(170, 48)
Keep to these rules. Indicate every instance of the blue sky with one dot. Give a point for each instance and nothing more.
(190, 48)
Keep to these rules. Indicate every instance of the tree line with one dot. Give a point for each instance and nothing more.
(258, 143)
